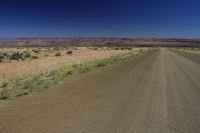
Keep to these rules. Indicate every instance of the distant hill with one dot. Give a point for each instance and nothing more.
(43, 42)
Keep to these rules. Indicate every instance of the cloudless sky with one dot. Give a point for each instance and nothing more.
(100, 18)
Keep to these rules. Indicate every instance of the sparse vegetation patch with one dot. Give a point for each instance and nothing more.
(69, 52)
(26, 84)
(86, 67)
(58, 54)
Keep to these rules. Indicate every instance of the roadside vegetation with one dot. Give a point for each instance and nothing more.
(23, 54)
(192, 50)
(42, 81)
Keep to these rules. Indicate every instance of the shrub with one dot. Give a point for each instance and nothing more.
(35, 51)
(4, 84)
(29, 84)
(56, 48)
(122, 48)
(60, 74)
(58, 54)
(5, 54)
(35, 83)
(129, 48)
(86, 67)
(35, 57)
(102, 62)
(116, 48)
(5, 93)
(16, 56)
(69, 72)
(27, 55)
(1, 58)
(69, 52)
(63, 73)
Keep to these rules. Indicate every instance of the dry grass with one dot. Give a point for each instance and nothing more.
(23, 77)
(23, 69)
(188, 50)
(19, 71)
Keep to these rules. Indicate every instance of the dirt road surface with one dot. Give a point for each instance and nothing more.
(157, 92)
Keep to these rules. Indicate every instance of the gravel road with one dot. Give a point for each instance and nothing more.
(156, 92)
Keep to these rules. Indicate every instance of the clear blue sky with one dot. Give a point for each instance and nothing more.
(100, 18)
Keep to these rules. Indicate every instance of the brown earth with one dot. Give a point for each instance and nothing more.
(157, 92)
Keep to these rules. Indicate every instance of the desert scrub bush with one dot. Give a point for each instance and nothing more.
(26, 54)
(36, 51)
(116, 48)
(5, 91)
(56, 48)
(1, 58)
(129, 48)
(4, 84)
(58, 54)
(41, 82)
(86, 67)
(16, 56)
(20, 56)
(69, 52)
(111, 60)
(61, 74)
(5, 54)
(122, 48)
(102, 62)
(62, 71)
(35, 57)
(67, 72)
(35, 83)
(95, 48)
(115, 59)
